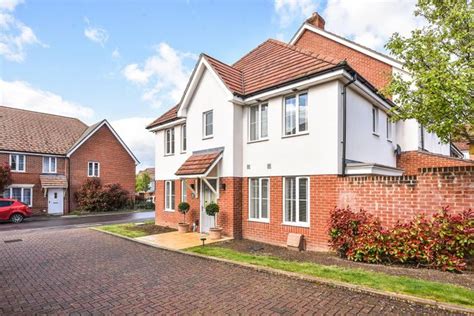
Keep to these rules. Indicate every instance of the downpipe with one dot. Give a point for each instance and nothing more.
(344, 122)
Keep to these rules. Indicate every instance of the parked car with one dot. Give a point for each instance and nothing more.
(13, 210)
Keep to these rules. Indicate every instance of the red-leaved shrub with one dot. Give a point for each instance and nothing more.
(93, 197)
(5, 176)
(442, 241)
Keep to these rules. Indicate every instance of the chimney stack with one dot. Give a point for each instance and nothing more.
(316, 20)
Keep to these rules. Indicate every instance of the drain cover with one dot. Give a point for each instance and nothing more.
(12, 240)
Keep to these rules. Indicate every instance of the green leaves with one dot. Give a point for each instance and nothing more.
(439, 93)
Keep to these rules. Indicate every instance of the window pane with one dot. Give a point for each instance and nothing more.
(183, 191)
(96, 169)
(290, 115)
(27, 196)
(90, 169)
(290, 200)
(172, 140)
(303, 200)
(21, 162)
(13, 163)
(172, 194)
(6, 194)
(303, 112)
(184, 137)
(45, 164)
(264, 120)
(53, 165)
(264, 190)
(16, 194)
(209, 123)
(253, 122)
(167, 195)
(253, 191)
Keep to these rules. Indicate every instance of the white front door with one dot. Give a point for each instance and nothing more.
(207, 196)
(55, 201)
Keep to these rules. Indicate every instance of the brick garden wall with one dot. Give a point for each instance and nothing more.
(411, 161)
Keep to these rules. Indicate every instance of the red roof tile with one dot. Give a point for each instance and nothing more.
(198, 163)
(170, 115)
(462, 145)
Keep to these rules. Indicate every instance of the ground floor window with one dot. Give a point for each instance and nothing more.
(24, 195)
(169, 195)
(296, 201)
(259, 199)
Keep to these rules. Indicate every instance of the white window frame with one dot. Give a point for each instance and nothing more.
(17, 164)
(23, 188)
(389, 127)
(308, 201)
(258, 126)
(47, 162)
(204, 124)
(259, 211)
(169, 132)
(93, 175)
(375, 121)
(170, 196)
(184, 136)
(184, 196)
(297, 114)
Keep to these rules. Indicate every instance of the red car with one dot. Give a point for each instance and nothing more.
(13, 211)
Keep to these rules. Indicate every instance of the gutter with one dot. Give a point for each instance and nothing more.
(344, 122)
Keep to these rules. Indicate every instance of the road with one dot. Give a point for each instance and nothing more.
(80, 271)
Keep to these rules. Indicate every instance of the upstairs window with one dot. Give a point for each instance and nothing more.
(17, 163)
(296, 114)
(375, 120)
(169, 141)
(258, 122)
(49, 164)
(208, 122)
(389, 129)
(169, 195)
(93, 169)
(183, 138)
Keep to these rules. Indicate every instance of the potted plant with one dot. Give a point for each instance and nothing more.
(183, 208)
(215, 232)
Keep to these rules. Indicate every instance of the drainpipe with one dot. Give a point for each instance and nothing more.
(68, 184)
(344, 119)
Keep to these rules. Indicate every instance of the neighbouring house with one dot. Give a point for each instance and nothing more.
(465, 148)
(291, 130)
(150, 194)
(51, 156)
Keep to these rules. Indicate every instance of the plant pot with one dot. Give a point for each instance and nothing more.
(183, 228)
(215, 233)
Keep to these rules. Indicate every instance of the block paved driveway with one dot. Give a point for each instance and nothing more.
(81, 271)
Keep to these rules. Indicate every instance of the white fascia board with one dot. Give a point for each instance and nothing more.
(194, 80)
(105, 122)
(347, 43)
(25, 186)
(30, 153)
(168, 125)
(372, 169)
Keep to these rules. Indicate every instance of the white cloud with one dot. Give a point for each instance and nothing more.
(15, 36)
(96, 34)
(22, 95)
(370, 22)
(290, 10)
(163, 76)
(140, 141)
(116, 54)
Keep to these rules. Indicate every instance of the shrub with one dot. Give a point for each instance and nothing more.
(183, 208)
(441, 241)
(5, 176)
(212, 209)
(93, 197)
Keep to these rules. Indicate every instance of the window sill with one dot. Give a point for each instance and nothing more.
(18, 171)
(208, 137)
(258, 140)
(375, 134)
(169, 211)
(389, 140)
(93, 176)
(264, 221)
(302, 225)
(295, 135)
(167, 155)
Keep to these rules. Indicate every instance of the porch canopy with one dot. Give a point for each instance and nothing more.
(53, 181)
(200, 164)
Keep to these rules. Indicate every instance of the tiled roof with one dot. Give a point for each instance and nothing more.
(53, 181)
(28, 131)
(198, 163)
(462, 145)
(270, 64)
(170, 115)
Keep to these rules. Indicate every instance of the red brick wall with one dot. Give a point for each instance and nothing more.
(34, 168)
(116, 165)
(375, 71)
(411, 161)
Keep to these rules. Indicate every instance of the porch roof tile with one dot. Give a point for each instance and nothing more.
(53, 181)
(198, 163)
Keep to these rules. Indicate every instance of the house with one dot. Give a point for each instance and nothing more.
(288, 132)
(51, 156)
(465, 148)
(150, 194)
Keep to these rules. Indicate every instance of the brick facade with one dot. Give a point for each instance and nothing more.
(412, 161)
(376, 72)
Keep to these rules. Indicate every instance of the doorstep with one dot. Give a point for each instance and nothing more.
(179, 241)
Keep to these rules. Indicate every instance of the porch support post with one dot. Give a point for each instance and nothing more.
(210, 187)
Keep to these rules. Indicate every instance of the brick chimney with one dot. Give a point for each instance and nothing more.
(316, 20)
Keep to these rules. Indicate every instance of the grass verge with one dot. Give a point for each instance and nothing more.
(133, 231)
(441, 292)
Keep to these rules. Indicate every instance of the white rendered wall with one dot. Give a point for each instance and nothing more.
(166, 166)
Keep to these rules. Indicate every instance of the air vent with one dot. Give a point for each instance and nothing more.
(248, 167)
(269, 166)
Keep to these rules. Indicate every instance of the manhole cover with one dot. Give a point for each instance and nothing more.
(12, 240)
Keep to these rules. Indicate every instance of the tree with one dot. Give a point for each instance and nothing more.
(5, 177)
(142, 183)
(438, 56)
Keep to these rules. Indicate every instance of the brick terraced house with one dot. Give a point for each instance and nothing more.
(51, 156)
(291, 130)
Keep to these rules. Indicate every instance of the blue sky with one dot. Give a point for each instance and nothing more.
(128, 61)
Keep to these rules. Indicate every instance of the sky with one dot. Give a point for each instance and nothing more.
(128, 61)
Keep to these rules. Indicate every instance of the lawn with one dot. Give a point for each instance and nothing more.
(133, 230)
(441, 292)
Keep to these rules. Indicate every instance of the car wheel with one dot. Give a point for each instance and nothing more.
(16, 218)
